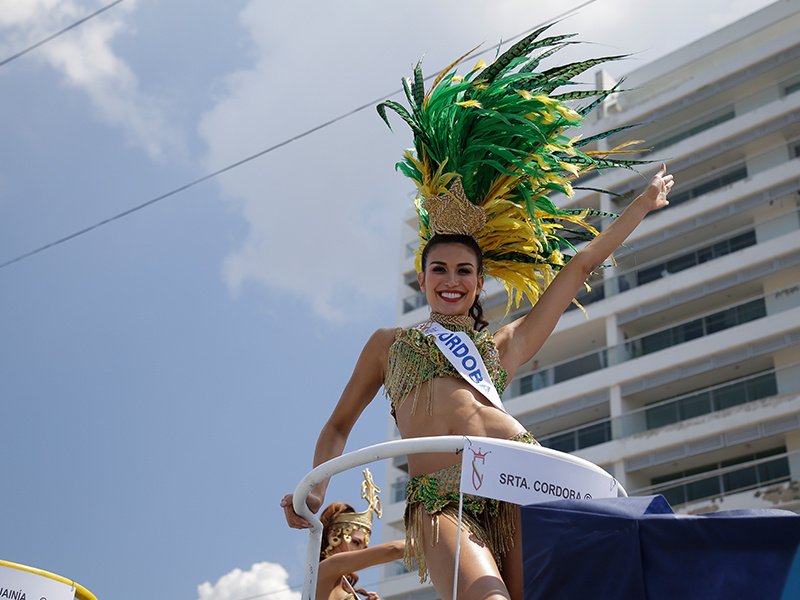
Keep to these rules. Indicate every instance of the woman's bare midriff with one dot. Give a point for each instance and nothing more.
(458, 409)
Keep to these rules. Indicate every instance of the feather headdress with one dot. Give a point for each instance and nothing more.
(491, 147)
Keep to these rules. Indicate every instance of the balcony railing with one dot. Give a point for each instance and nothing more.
(696, 127)
(706, 251)
(654, 341)
(674, 410)
(686, 260)
(686, 129)
(414, 302)
(724, 480)
(708, 181)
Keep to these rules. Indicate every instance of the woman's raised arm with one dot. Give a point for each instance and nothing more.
(519, 341)
(362, 387)
(334, 567)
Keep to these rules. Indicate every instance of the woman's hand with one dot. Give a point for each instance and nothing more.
(294, 520)
(655, 194)
(368, 595)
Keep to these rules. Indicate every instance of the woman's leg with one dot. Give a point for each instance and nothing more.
(478, 577)
(512, 562)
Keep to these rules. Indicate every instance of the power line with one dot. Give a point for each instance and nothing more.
(188, 185)
(63, 31)
(252, 156)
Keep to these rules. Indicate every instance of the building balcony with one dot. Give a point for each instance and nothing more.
(664, 413)
(636, 347)
(756, 139)
(762, 479)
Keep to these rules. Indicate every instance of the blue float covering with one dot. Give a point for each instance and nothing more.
(637, 548)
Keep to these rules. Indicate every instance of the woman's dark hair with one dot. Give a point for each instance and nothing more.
(327, 518)
(438, 239)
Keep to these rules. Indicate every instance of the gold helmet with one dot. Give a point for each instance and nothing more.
(344, 524)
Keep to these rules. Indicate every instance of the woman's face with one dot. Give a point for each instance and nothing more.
(450, 279)
(358, 541)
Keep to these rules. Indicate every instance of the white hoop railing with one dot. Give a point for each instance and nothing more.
(357, 458)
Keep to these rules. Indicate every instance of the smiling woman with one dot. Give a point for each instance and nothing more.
(490, 149)
(456, 274)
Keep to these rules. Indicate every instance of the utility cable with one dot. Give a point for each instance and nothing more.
(63, 31)
(253, 156)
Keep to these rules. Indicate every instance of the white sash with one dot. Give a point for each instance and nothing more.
(460, 350)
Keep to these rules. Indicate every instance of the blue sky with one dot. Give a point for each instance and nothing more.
(163, 377)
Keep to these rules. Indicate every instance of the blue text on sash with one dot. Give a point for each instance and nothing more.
(460, 350)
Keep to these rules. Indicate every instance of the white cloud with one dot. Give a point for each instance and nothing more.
(323, 213)
(85, 57)
(264, 580)
(16, 13)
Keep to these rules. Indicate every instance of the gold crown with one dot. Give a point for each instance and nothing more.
(453, 213)
(345, 523)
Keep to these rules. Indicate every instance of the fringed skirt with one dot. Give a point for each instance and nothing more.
(436, 494)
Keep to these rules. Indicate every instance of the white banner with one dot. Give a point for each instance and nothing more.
(460, 350)
(17, 584)
(520, 477)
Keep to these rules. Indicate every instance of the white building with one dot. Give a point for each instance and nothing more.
(684, 380)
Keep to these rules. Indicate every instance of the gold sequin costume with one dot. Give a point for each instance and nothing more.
(436, 494)
(414, 359)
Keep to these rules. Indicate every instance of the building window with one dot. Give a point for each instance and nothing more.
(709, 186)
(674, 138)
(791, 88)
(724, 478)
(697, 257)
(731, 317)
(583, 437)
(398, 492)
(414, 302)
(532, 382)
(580, 366)
(716, 399)
(564, 442)
(597, 293)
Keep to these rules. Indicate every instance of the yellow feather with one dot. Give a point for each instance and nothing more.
(481, 64)
(468, 103)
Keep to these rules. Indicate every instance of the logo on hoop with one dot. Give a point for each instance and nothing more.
(477, 476)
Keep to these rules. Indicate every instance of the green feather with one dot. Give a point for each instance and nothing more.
(401, 112)
(419, 85)
(504, 120)
(603, 135)
(409, 94)
(536, 60)
(587, 109)
(521, 48)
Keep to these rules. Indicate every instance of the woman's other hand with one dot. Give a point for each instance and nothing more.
(294, 520)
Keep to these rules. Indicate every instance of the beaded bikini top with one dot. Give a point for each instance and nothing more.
(414, 359)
